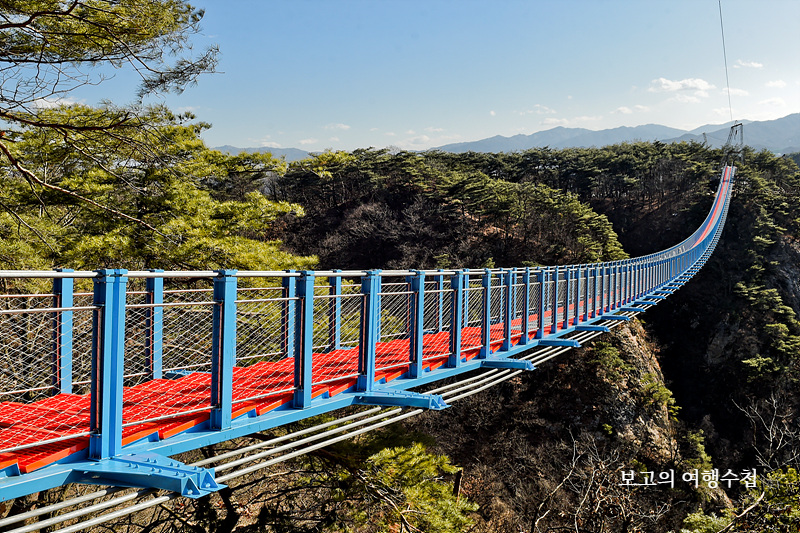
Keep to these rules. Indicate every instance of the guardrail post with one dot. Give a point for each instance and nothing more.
(417, 326)
(587, 278)
(304, 340)
(223, 348)
(456, 321)
(63, 290)
(554, 315)
(335, 318)
(508, 308)
(154, 326)
(526, 307)
(541, 277)
(486, 314)
(567, 289)
(288, 315)
(108, 351)
(576, 315)
(370, 332)
(440, 299)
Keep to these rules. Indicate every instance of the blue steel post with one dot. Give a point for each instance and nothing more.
(576, 315)
(508, 308)
(567, 289)
(456, 320)
(486, 313)
(541, 277)
(370, 332)
(108, 345)
(597, 301)
(554, 315)
(587, 278)
(526, 307)
(304, 340)
(63, 290)
(223, 348)
(335, 317)
(154, 326)
(288, 314)
(417, 327)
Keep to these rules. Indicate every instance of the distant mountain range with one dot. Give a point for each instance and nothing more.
(781, 136)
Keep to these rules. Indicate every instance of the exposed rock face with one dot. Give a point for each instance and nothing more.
(548, 448)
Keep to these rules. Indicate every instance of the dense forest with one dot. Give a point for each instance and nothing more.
(705, 382)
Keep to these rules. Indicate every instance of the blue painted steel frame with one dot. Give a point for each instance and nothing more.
(612, 287)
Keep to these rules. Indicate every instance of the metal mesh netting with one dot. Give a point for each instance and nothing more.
(518, 308)
(27, 333)
(393, 350)
(187, 323)
(533, 311)
(547, 320)
(572, 303)
(438, 320)
(260, 319)
(39, 347)
(472, 315)
(562, 301)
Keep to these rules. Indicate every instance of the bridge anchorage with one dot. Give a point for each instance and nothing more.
(110, 372)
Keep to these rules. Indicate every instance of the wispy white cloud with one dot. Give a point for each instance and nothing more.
(305, 142)
(269, 144)
(773, 102)
(748, 64)
(339, 127)
(50, 103)
(431, 129)
(334, 139)
(493, 113)
(555, 122)
(624, 110)
(538, 109)
(641, 108)
(698, 85)
(736, 92)
(776, 84)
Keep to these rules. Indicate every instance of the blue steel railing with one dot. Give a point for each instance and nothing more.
(373, 334)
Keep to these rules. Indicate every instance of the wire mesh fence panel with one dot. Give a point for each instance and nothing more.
(498, 298)
(582, 308)
(338, 364)
(35, 355)
(27, 351)
(534, 319)
(561, 305)
(497, 304)
(264, 371)
(438, 317)
(350, 329)
(187, 330)
(471, 333)
(82, 323)
(518, 307)
(138, 364)
(572, 305)
(261, 318)
(393, 347)
(548, 318)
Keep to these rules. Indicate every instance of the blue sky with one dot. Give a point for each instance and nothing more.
(345, 74)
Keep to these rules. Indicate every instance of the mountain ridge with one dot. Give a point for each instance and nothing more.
(781, 136)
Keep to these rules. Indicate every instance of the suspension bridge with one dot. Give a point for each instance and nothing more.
(107, 374)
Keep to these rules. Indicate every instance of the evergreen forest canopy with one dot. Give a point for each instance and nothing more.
(135, 187)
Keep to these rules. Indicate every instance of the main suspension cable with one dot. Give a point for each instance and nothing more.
(725, 56)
